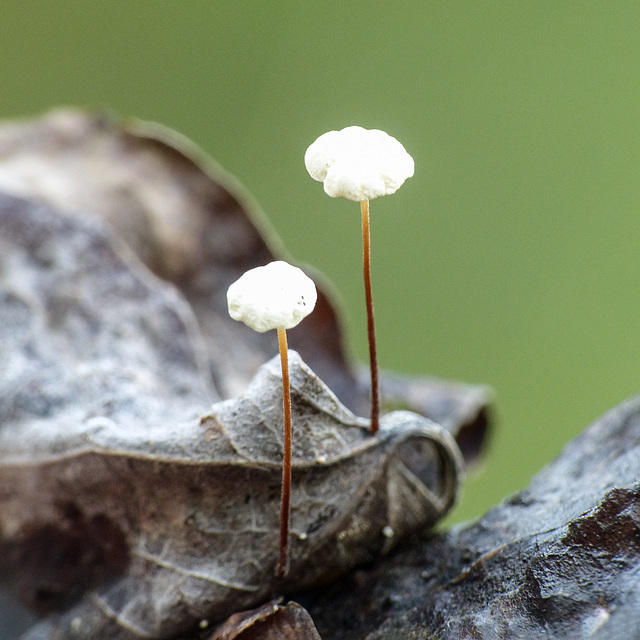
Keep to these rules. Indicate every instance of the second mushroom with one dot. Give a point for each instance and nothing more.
(276, 296)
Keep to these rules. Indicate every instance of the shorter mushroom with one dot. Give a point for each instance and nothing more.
(361, 164)
(276, 296)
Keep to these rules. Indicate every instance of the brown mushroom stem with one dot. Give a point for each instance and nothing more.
(282, 567)
(371, 330)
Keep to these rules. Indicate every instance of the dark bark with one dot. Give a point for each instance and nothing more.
(559, 560)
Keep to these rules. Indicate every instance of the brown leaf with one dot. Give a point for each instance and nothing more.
(271, 621)
(186, 220)
(130, 501)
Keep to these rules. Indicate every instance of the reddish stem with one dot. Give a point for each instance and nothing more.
(371, 330)
(282, 568)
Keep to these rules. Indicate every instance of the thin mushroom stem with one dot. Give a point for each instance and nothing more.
(282, 567)
(371, 329)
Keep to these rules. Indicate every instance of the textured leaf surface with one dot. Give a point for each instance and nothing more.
(129, 500)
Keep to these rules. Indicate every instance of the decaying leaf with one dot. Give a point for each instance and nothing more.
(180, 215)
(186, 220)
(132, 504)
(271, 621)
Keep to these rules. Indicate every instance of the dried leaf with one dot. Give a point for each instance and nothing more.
(179, 214)
(184, 218)
(84, 333)
(272, 621)
(129, 501)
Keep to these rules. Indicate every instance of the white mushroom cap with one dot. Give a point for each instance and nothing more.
(358, 164)
(276, 296)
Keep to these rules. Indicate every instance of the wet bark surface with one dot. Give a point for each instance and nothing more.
(561, 559)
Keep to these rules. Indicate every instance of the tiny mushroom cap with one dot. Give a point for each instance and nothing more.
(276, 296)
(358, 164)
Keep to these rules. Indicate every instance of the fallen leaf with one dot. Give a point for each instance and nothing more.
(191, 224)
(272, 621)
(131, 503)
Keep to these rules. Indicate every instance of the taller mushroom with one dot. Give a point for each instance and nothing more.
(361, 164)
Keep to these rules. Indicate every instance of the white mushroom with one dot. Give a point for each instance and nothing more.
(358, 164)
(276, 296)
(361, 164)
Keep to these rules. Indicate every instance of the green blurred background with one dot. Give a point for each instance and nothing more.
(511, 258)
